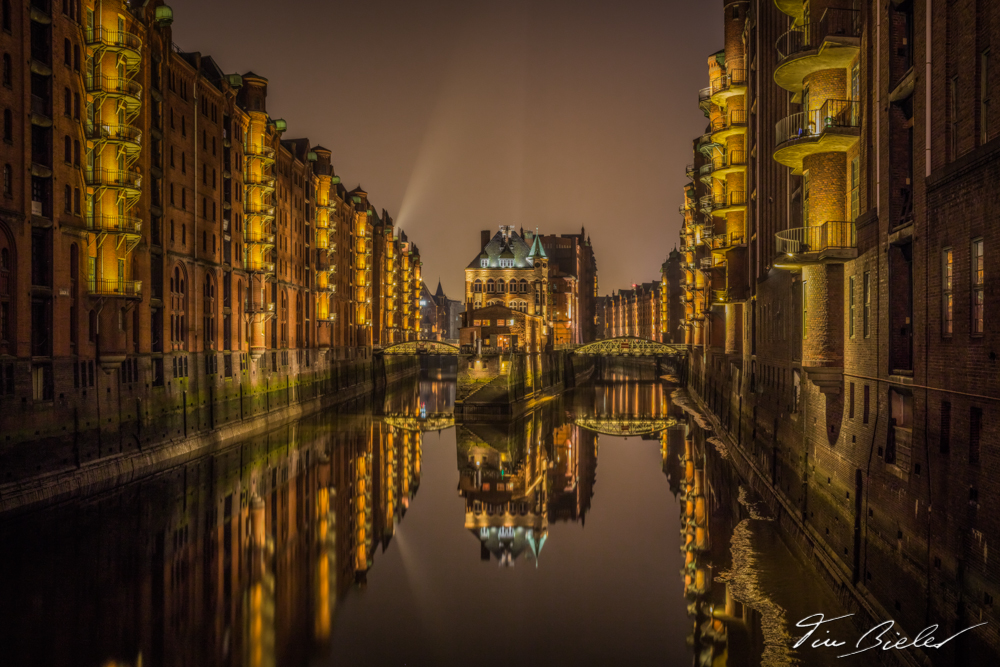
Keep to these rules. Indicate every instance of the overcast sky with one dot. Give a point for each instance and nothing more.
(459, 115)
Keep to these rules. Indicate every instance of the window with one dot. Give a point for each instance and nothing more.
(76, 153)
(947, 303)
(8, 72)
(484, 263)
(953, 113)
(945, 426)
(67, 149)
(477, 323)
(8, 181)
(856, 81)
(8, 126)
(76, 106)
(867, 305)
(850, 307)
(855, 188)
(67, 103)
(5, 18)
(850, 403)
(805, 310)
(978, 285)
(68, 197)
(984, 96)
(76, 57)
(975, 433)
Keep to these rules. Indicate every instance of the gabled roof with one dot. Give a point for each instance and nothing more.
(511, 247)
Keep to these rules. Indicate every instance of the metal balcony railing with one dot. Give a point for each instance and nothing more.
(705, 97)
(732, 198)
(259, 181)
(126, 178)
(689, 171)
(114, 224)
(831, 234)
(258, 238)
(129, 289)
(255, 150)
(114, 85)
(734, 77)
(101, 132)
(735, 118)
(101, 36)
(812, 124)
(809, 36)
(258, 209)
(736, 158)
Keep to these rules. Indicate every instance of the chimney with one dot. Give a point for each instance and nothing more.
(484, 237)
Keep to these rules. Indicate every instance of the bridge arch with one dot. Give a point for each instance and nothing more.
(421, 347)
(630, 346)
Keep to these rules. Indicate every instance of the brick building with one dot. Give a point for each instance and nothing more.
(635, 312)
(572, 286)
(157, 225)
(837, 240)
(440, 317)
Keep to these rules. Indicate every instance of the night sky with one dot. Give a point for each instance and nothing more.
(457, 116)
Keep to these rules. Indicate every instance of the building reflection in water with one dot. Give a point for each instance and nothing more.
(236, 558)
(240, 557)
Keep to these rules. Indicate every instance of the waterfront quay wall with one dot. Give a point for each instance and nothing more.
(869, 533)
(108, 430)
(502, 386)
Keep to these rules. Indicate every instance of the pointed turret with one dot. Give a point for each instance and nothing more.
(536, 248)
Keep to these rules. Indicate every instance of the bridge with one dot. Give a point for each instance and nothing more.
(421, 347)
(630, 346)
(625, 425)
(414, 423)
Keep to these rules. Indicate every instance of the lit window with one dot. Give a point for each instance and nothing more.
(978, 287)
(947, 303)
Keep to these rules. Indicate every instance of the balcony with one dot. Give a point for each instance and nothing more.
(259, 266)
(705, 173)
(733, 161)
(793, 8)
(705, 99)
(689, 171)
(259, 238)
(733, 82)
(735, 200)
(117, 289)
(835, 127)
(263, 182)
(830, 43)
(115, 86)
(723, 243)
(723, 127)
(115, 179)
(707, 203)
(257, 308)
(833, 241)
(126, 135)
(263, 153)
(265, 210)
(128, 43)
(114, 224)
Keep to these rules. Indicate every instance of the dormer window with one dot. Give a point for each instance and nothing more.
(506, 264)
(484, 263)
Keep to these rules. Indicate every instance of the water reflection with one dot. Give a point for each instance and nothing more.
(246, 556)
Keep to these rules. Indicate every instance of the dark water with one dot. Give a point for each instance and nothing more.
(384, 534)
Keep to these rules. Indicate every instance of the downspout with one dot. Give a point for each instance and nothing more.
(194, 271)
(927, 172)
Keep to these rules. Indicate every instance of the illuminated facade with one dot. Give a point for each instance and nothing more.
(636, 312)
(159, 225)
(852, 147)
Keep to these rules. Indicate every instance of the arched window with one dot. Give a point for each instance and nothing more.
(67, 149)
(524, 286)
(8, 125)
(501, 286)
(178, 309)
(8, 71)
(67, 53)
(491, 286)
(284, 318)
(5, 18)
(477, 286)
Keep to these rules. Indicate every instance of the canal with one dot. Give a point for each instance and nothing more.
(592, 530)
